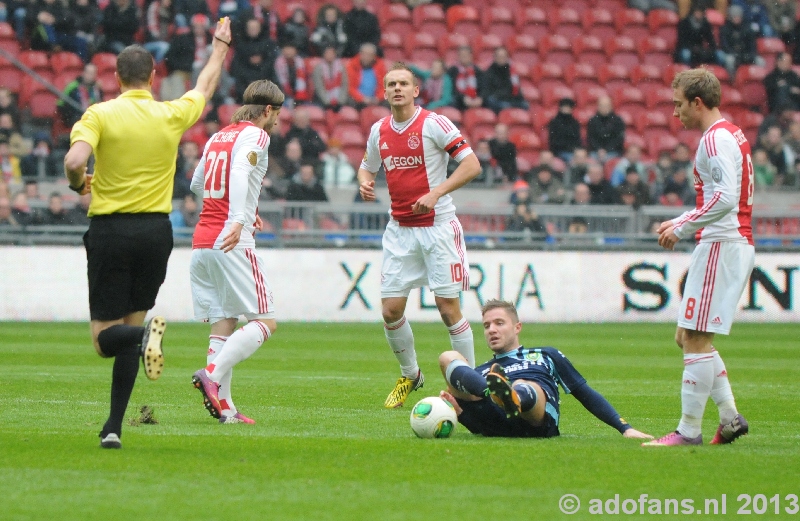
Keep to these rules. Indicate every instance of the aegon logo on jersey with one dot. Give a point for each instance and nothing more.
(392, 162)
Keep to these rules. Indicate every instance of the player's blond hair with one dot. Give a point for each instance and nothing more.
(401, 66)
(256, 97)
(509, 308)
(699, 83)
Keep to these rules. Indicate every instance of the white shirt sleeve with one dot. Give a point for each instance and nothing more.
(725, 168)
(199, 177)
(248, 152)
(372, 157)
(449, 138)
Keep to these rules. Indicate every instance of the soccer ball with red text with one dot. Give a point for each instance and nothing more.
(433, 417)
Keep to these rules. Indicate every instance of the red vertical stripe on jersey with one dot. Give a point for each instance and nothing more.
(708, 288)
(711, 146)
(458, 239)
(442, 123)
(261, 289)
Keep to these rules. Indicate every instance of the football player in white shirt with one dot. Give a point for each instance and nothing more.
(423, 243)
(228, 278)
(721, 262)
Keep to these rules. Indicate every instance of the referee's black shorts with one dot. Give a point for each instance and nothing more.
(127, 258)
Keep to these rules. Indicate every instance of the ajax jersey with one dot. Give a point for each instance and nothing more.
(229, 178)
(414, 155)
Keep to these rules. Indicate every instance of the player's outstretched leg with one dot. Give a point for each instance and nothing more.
(210, 391)
(728, 432)
(502, 393)
(402, 388)
(152, 354)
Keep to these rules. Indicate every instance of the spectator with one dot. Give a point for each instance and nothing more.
(490, 173)
(523, 218)
(521, 193)
(87, 21)
(305, 186)
(329, 31)
(764, 171)
(253, 58)
(330, 81)
(648, 5)
(436, 88)
(310, 141)
(188, 158)
(578, 226)
(467, 81)
(231, 8)
(55, 214)
(737, 42)
(682, 158)
(793, 138)
(6, 217)
(678, 191)
(782, 85)
(504, 152)
(9, 163)
(605, 132)
(556, 166)
(52, 27)
(361, 27)
(365, 74)
(22, 211)
(783, 19)
(200, 25)
(696, 44)
(187, 215)
(581, 194)
(120, 24)
(178, 61)
(291, 159)
(78, 216)
(296, 33)
(756, 15)
(778, 152)
(633, 184)
(660, 172)
(336, 168)
(185, 10)
(159, 17)
(632, 158)
(577, 167)
(84, 91)
(564, 131)
(292, 76)
(32, 191)
(501, 84)
(8, 105)
(267, 16)
(40, 162)
(685, 7)
(545, 188)
(601, 189)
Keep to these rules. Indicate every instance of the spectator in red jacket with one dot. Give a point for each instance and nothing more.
(365, 74)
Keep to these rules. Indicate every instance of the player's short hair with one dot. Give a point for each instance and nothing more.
(509, 308)
(699, 83)
(256, 97)
(401, 66)
(134, 65)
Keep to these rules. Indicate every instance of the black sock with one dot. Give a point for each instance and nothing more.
(126, 367)
(527, 396)
(119, 338)
(468, 380)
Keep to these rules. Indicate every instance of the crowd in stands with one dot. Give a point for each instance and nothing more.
(582, 125)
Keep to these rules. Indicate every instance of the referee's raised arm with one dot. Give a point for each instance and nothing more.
(208, 79)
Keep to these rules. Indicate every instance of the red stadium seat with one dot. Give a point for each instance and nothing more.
(7, 32)
(588, 96)
(346, 115)
(36, 60)
(628, 95)
(655, 50)
(583, 115)
(29, 87)
(652, 119)
(525, 139)
(631, 22)
(483, 47)
(565, 21)
(533, 22)
(589, 49)
(545, 74)
(522, 48)
(579, 74)
(530, 91)
(225, 112)
(552, 93)
(43, 105)
(429, 18)
(395, 18)
(556, 48)
(715, 18)
(668, 73)
(464, 19)
(449, 44)
(599, 22)
(515, 118)
(351, 137)
(720, 72)
(663, 22)
(421, 48)
(63, 79)
(612, 75)
(370, 115)
(109, 85)
(105, 62)
(622, 50)
(451, 113)
(62, 62)
(10, 78)
(499, 20)
(732, 99)
(769, 49)
(660, 141)
(542, 117)
(646, 73)
(747, 120)
(750, 83)
(656, 96)
(479, 118)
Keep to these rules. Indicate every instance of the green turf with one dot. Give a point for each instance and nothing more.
(324, 448)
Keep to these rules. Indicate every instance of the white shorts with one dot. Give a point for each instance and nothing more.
(717, 276)
(229, 285)
(433, 256)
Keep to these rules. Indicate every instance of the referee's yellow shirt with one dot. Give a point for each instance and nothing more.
(135, 141)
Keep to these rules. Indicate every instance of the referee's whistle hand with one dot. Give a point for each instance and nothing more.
(222, 34)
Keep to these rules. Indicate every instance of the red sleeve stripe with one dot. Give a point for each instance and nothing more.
(262, 139)
(445, 126)
(702, 211)
(711, 146)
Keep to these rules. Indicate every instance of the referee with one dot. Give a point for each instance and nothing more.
(135, 141)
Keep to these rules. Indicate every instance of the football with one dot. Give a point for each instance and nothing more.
(433, 417)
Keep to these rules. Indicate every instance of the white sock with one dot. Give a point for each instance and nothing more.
(401, 340)
(698, 377)
(462, 341)
(721, 391)
(215, 343)
(239, 346)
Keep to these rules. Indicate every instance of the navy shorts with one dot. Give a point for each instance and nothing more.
(487, 418)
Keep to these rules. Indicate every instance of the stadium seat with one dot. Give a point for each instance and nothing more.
(612, 75)
(656, 96)
(583, 115)
(522, 48)
(10, 78)
(109, 85)
(631, 138)
(621, 50)
(285, 9)
(750, 83)
(421, 49)
(36, 60)
(351, 137)
(630, 113)
(464, 19)
(715, 18)
(345, 115)
(578, 5)
(748, 120)
(62, 80)
(580, 74)
(29, 87)
(589, 49)
(10, 46)
(392, 45)
(515, 118)
(646, 73)
(533, 22)
(769, 49)
(660, 141)
(556, 48)
(525, 139)
(552, 93)
(541, 117)
(226, 111)
(599, 22)
(663, 23)
(631, 22)
(651, 120)
(479, 118)
(625, 96)
(105, 62)
(499, 21)
(565, 21)
(42, 105)
(451, 113)
(429, 18)
(545, 74)
(7, 32)
(720, 72)
(655, 50)
(483, 47)
(66, 62)
(395, 18)
(530, 91)
(370, 115)
(588, 96)
(449, 44)
(668, 73)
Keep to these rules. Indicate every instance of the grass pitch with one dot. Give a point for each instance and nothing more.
(325, 449)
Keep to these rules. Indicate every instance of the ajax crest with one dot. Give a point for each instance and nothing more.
(413, 141)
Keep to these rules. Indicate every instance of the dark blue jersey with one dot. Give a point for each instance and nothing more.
(543, 365)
